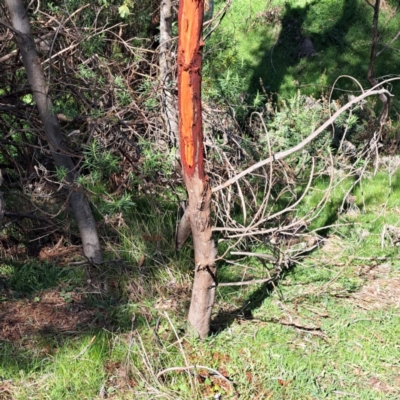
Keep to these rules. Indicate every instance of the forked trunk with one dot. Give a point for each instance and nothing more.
(197, 214)
(54, 137)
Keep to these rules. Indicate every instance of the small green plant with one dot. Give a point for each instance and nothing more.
(155, 160)
(147, 89)
(112, 206)
(86, 73)
(53, 8)
(100, 162)
(122, 92)
(61, 173)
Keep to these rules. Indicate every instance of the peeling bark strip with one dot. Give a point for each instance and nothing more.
(197, 216)
(190, 46)
(59, 151)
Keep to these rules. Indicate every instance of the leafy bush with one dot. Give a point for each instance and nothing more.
(295, 120)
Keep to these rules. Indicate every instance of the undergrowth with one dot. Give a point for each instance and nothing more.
(263, 45)
(318, 330)
(313, 335)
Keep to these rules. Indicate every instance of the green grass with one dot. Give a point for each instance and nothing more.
(76, 370)
(264, 41)
(307, 338)
(319, 332)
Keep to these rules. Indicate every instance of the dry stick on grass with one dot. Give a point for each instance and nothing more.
(190, 367)
(244, 283)
(181, 349)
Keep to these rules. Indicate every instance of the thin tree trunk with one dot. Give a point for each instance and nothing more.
(372, 80)
(58, 148)
(205, 252)
(167, 75)
(191, 145)
(1, 199)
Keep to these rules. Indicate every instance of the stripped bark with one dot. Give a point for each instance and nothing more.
(198, 213)
(58, 148)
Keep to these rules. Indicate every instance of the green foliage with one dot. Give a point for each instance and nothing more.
(156, 160)
(100, 162)
(296, 120)
(61, 173)
(123, 11)
(53, 8)
(147, 91)
(122, 91)
(117, 205)
(33, 277)
(28, 99)
(267, 39)
(86, 73)
(224, 74)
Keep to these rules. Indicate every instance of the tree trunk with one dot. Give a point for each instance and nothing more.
(58, 148)
(372, 80)
(167, 73)
(197, 214)
(1, 199)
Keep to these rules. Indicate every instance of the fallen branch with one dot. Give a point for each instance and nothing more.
(306, 141)
(214, 371)
(243, 283)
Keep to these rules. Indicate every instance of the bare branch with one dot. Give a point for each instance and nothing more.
(306, 141)
(214, 371)
(243, 283)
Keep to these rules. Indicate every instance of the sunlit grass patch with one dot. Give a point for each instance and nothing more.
(268, 38)
(76, 370)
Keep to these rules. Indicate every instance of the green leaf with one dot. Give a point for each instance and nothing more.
(123, 11)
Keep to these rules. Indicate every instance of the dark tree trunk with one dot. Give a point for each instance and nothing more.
(197, 215)
(59, 151)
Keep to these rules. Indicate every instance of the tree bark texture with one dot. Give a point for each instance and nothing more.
(197, 214)
(54, 137)
(167, 73)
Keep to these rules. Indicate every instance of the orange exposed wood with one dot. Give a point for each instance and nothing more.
(189, 85)
(186, 112)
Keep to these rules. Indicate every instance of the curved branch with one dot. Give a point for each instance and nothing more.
(306, 141)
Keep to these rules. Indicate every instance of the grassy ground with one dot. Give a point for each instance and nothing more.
(329, 329)
(267, 40)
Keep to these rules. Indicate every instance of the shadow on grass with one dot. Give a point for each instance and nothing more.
(224, 318)
(46, 306)
(317, 43)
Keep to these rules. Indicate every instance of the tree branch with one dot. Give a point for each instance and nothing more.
(301, 145)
